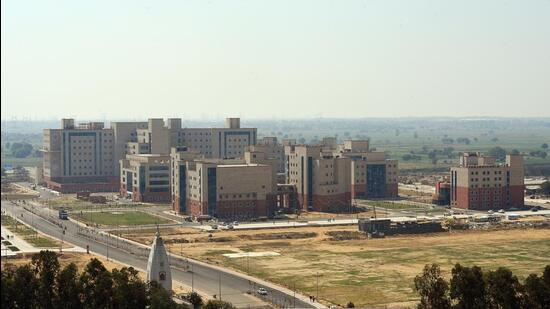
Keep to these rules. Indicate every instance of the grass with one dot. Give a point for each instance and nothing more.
(28, 234)
(73, 204)
(123, 218)
(368, 272)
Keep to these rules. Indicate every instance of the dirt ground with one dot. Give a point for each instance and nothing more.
(350, 267)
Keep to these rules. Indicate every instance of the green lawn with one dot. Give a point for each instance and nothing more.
(120, 218)
(28, 234)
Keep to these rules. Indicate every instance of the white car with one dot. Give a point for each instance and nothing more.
(262, 291)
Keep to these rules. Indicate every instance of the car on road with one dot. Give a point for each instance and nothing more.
(262, 291)
(235, 223)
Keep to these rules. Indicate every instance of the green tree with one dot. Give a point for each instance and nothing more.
(195, 299)
(545, 187)
(25, 287)
(515, 152)
(536, 292)
(544, 146)
(498, 152)
(159, 298)
(350, 305)
(6, 289)
(68, 288)
(218, 304)
(129, 290)
(97, 285)
(3, 172)
(46, 266)
(433, 289)
(468, 288)
(503, 289)
(21, 150)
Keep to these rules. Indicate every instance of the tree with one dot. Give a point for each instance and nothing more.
(544, 146)
(350, 305)
(129, 290)
(195, 299)
(3, 172)
(515, 152)
(433, 289)
(68, 288)
(97, 285)
(468, 287)
(536, 292)
(25, 288)
(498, 152)
(503, 289)
(21, 150)
(6, 289)
(159, 298)
(545, 187)
(218, 304)
(46, 267)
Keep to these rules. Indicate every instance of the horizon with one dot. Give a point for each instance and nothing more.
(281, 59)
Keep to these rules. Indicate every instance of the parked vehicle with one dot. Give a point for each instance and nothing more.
(63, 214)
(262, 291)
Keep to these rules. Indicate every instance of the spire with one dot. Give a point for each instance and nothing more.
(158, 265)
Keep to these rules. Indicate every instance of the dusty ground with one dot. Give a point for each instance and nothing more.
(81, 259)
(349, 267)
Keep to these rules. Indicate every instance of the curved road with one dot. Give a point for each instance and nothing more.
(204, 278)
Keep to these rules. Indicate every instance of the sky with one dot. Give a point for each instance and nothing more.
(274, 59)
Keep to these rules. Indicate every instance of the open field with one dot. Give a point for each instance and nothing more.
(29, 235)
(118, 218)
(375, 272)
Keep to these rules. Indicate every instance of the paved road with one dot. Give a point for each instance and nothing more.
(204, 278)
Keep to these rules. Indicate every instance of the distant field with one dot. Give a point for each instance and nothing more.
(122, 218)
(375, 272)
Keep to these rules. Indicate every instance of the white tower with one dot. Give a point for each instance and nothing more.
(158, 266)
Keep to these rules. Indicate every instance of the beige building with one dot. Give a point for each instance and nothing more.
(220, 143)
(372, 174)
(480, 183)
(145, 177)
(230, 188)
(322, 179)
(79, 157)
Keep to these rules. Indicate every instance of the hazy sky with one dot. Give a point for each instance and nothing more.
(264, 59)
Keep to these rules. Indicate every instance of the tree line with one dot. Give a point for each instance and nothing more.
(44, 284)
(473, 288)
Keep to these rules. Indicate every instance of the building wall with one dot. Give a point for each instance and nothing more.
(149, 176)
(481, 184)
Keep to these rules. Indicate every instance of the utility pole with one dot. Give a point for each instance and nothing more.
(317, 296)
(294, 298)
(220, 284)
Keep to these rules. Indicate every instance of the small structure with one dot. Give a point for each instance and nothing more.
(158, 265)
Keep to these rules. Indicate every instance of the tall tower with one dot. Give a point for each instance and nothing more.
(158, 266)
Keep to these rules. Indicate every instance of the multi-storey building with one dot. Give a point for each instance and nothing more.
(321, 178)
(145, 177)
(219, 143)
(79, 157)
(208, 187)
(480, 183)
(372, 174)
(86, 157)
(272, 149)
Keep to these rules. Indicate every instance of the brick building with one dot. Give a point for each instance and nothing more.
(480, 183)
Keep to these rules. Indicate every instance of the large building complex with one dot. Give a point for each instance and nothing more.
(236, 189)
(145, 177)
(480, 183)
(86, 156)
